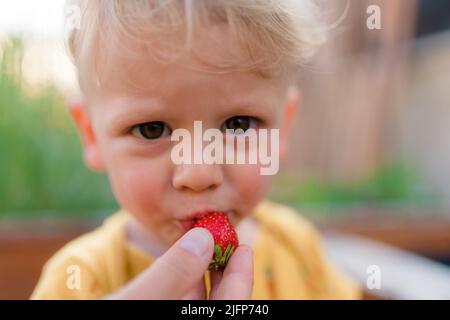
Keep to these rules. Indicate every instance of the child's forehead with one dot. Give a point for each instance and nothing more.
(134, 76)
(183, 96)
(142, 77)
(178, 93)
(167, 86)
(186, 78)
(136, 64)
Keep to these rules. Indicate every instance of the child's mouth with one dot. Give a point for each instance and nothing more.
(188, 223)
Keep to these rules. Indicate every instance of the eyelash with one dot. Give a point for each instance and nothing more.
(254, 122)
(137, 129)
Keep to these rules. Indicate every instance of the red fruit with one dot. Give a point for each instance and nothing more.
(225, 237)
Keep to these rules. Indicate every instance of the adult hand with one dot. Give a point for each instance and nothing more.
(179, 272)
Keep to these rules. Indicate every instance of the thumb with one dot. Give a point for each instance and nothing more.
(173, 274)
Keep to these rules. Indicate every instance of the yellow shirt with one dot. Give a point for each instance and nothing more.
(288, 261)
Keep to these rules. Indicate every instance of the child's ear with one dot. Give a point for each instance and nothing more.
(289, 110)
(91, 151)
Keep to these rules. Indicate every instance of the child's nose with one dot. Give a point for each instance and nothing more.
(197, 177)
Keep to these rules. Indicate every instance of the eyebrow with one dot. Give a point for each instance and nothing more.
(247, 106)
(121, 115)
(148, 107)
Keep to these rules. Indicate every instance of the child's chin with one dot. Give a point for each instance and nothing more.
(171, 233)
(234, 217)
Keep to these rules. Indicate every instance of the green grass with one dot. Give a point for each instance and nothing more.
(41, 168)
(390, 186)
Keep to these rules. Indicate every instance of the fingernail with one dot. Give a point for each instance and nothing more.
(196, 241)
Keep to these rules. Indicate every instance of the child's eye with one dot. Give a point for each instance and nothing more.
(151, 130)
(240, 122)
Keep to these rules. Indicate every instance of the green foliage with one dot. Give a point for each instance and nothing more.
(41, 166)
(393, 184)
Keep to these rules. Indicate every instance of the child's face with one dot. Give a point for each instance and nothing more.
(161, 195)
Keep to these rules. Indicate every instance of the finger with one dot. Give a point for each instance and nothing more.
(216, 278)
(196, 293)
(237, 279)
(176, 272)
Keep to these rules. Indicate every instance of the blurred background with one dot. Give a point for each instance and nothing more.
(369, 163)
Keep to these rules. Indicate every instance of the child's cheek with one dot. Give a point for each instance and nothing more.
(250, 185)
(139, 188)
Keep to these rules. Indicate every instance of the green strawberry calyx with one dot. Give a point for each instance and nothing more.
(220, 260)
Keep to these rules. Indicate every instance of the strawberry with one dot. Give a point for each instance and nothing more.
(225, 237)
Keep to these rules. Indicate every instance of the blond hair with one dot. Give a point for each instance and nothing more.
(277, 36)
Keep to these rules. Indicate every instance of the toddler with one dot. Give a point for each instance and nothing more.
(148, 69)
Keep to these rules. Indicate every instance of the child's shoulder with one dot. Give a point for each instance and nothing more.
(291, 248)
(285, 222)
(90, 257)
(285, 230)
(94, 244)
